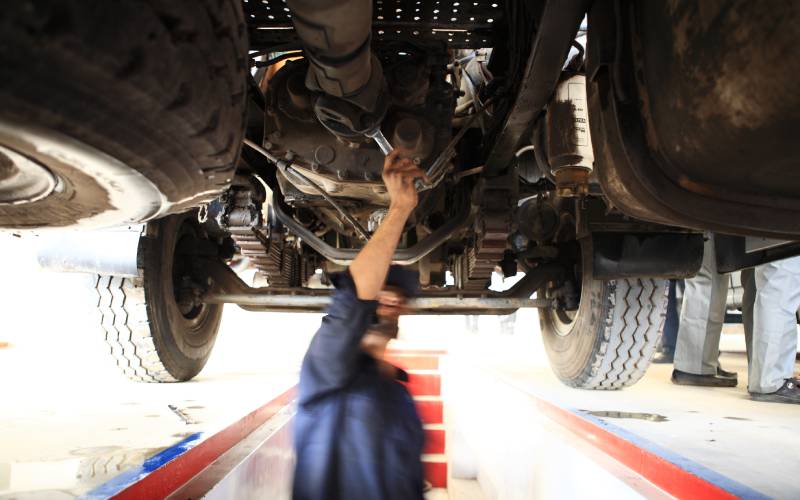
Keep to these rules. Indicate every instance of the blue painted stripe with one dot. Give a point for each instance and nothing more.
(131, 476)
(701, 471)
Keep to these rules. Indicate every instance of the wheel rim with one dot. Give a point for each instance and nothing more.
(189, 318)
(23, 180)
(564, 319)
(38, 165)
(181, 272)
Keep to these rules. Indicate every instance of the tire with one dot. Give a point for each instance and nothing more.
(608, 342)
(150, 338)
(135, 108)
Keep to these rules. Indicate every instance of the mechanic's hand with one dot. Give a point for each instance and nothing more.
(398, 175)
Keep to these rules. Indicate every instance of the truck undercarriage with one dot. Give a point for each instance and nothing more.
(585, 144)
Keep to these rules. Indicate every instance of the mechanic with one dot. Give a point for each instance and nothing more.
(357, 432)
(702, 315)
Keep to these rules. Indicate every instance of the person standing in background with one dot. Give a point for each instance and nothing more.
(702, 316)
(770, 320)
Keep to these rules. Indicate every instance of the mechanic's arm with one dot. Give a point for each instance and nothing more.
(370, 266)
(332, 356)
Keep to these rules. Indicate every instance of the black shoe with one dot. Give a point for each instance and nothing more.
(788, 393)
(726, 374)
(664, 357)
(683, 378)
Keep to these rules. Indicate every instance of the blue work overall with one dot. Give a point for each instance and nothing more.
(357, 432)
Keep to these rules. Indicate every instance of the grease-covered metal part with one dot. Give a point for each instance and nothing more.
(402, 256)
(287, 167)
(472, 269)
(376, 218)
(537, 219)
(352, 168)
(438, 168)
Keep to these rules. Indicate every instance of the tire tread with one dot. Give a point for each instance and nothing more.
(630, 334)
(123, 316)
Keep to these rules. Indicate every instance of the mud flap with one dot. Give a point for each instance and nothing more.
(666, 256)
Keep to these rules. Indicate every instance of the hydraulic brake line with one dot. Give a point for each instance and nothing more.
(287, 167)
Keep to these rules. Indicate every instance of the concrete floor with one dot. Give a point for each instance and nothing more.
(69, 421)
(753, 443)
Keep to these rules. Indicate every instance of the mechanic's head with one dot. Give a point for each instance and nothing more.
(391, 304)
(400, 284)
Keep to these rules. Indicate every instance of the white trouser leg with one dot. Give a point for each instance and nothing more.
(702, 316)
(774, 325)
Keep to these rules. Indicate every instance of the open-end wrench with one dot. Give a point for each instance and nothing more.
(387, 148)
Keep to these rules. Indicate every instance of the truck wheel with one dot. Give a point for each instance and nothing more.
(154, 335)
(118, 112)
(608, 341)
